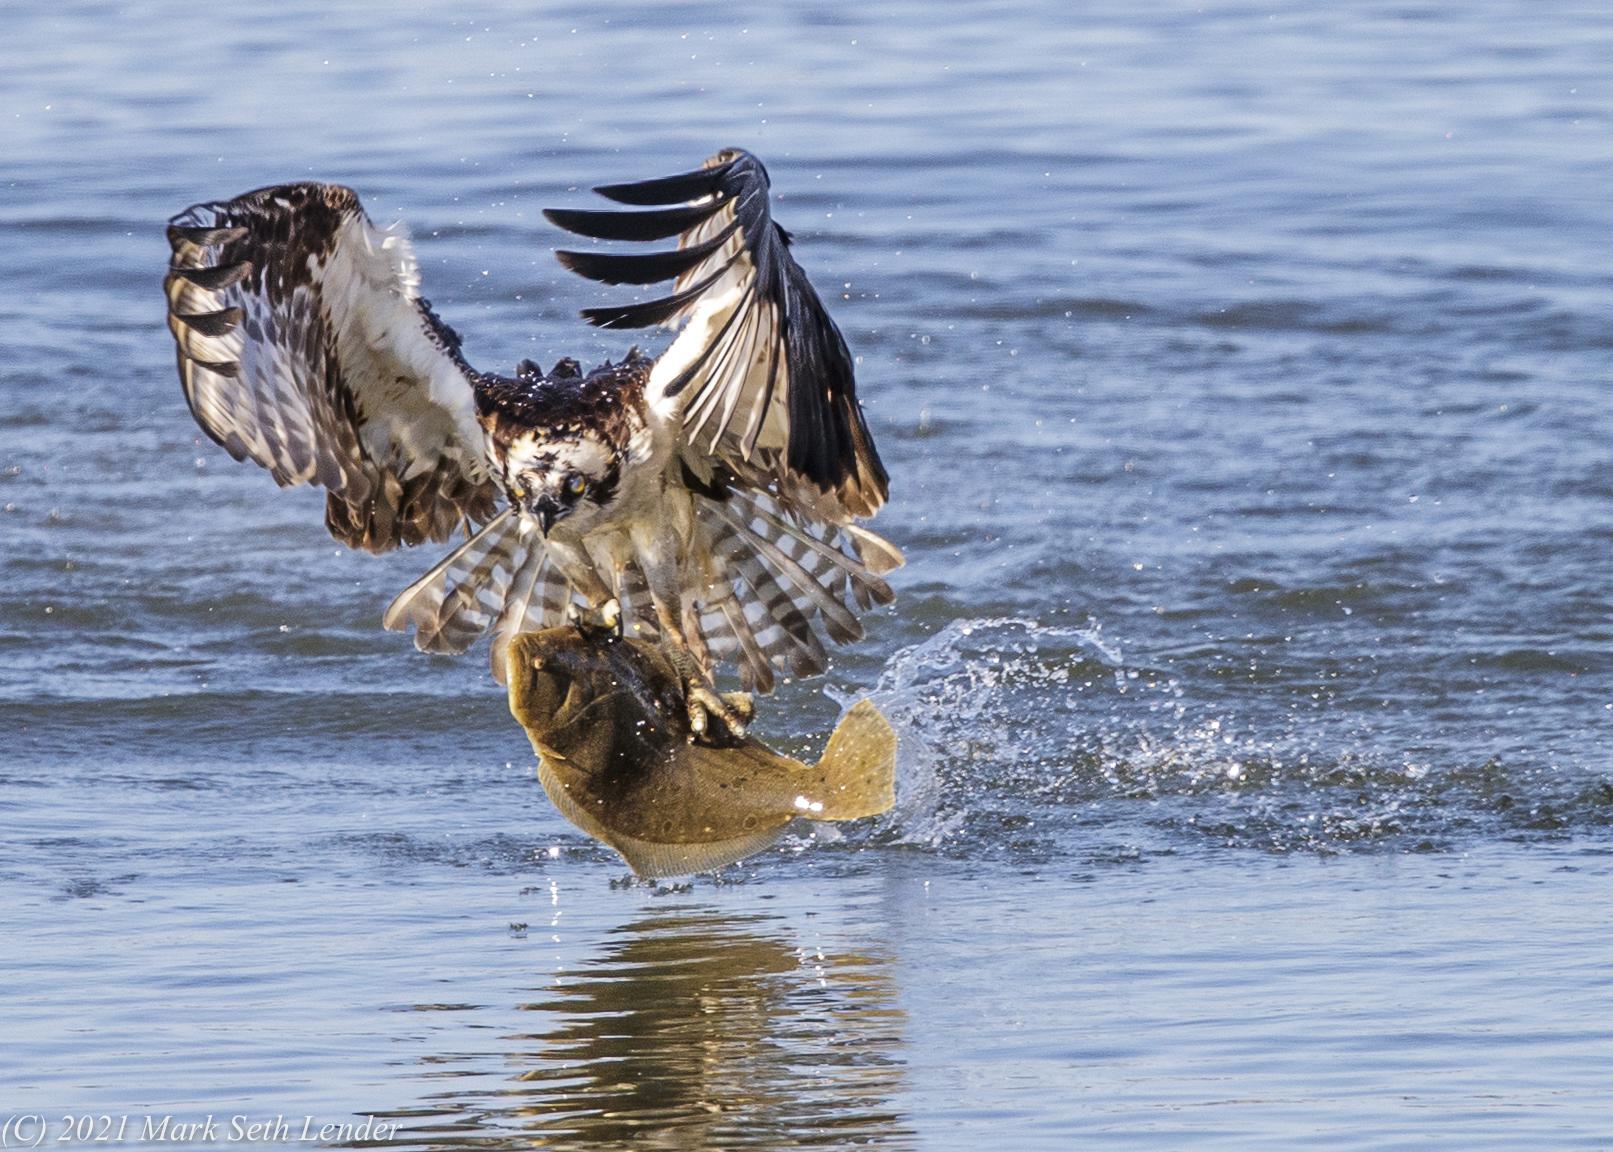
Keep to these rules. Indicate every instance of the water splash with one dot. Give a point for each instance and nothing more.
(949, 700)
(1036, 741)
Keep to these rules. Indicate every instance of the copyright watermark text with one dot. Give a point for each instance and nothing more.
(62, 1129)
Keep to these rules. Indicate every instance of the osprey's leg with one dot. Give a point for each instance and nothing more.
(711, 714)
(600, 611)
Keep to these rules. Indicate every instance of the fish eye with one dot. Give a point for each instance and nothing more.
(575, 484)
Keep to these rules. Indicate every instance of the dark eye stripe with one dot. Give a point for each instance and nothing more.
(605, 491)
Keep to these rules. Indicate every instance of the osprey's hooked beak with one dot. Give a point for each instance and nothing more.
(547, 510)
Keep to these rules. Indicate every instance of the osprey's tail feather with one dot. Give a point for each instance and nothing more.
(768, 581)
(496, 579)
(774, 578)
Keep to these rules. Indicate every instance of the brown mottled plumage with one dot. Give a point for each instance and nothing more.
(268, 374)
(567, 401)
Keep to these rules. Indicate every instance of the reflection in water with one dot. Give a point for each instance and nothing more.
(695, 1030)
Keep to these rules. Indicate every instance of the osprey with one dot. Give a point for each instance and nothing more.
(707, 498)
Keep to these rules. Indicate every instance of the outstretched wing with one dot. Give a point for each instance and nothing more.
(760, 373)
(305, 347)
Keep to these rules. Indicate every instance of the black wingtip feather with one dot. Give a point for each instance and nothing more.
(646, 315)
(215, 279)
(679, 189)
(659, 224)
(644, 268)
(648, 268)
(220, 323)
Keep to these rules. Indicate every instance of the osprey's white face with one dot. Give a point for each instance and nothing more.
(570, 481)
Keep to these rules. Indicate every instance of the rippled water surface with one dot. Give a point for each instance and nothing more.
(1242, 371)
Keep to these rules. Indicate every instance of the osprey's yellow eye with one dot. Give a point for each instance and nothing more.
(517, 493)
(576, 485)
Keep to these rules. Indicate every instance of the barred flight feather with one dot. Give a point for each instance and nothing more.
(769, 578)
(443, 605)
(304, 346)
(537, 599)
(762, 377)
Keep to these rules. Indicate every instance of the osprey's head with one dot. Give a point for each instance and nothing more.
(555, 480)
(559, 442)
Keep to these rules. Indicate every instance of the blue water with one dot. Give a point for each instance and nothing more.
(1242, 375)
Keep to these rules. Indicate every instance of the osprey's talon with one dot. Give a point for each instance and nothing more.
(712, 716)
(607, 618)
(741, 704)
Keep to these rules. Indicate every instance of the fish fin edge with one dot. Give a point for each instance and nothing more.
(859, 766)
(656, 861)
(647, 858)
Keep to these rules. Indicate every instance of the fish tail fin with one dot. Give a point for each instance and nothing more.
(858, 767)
